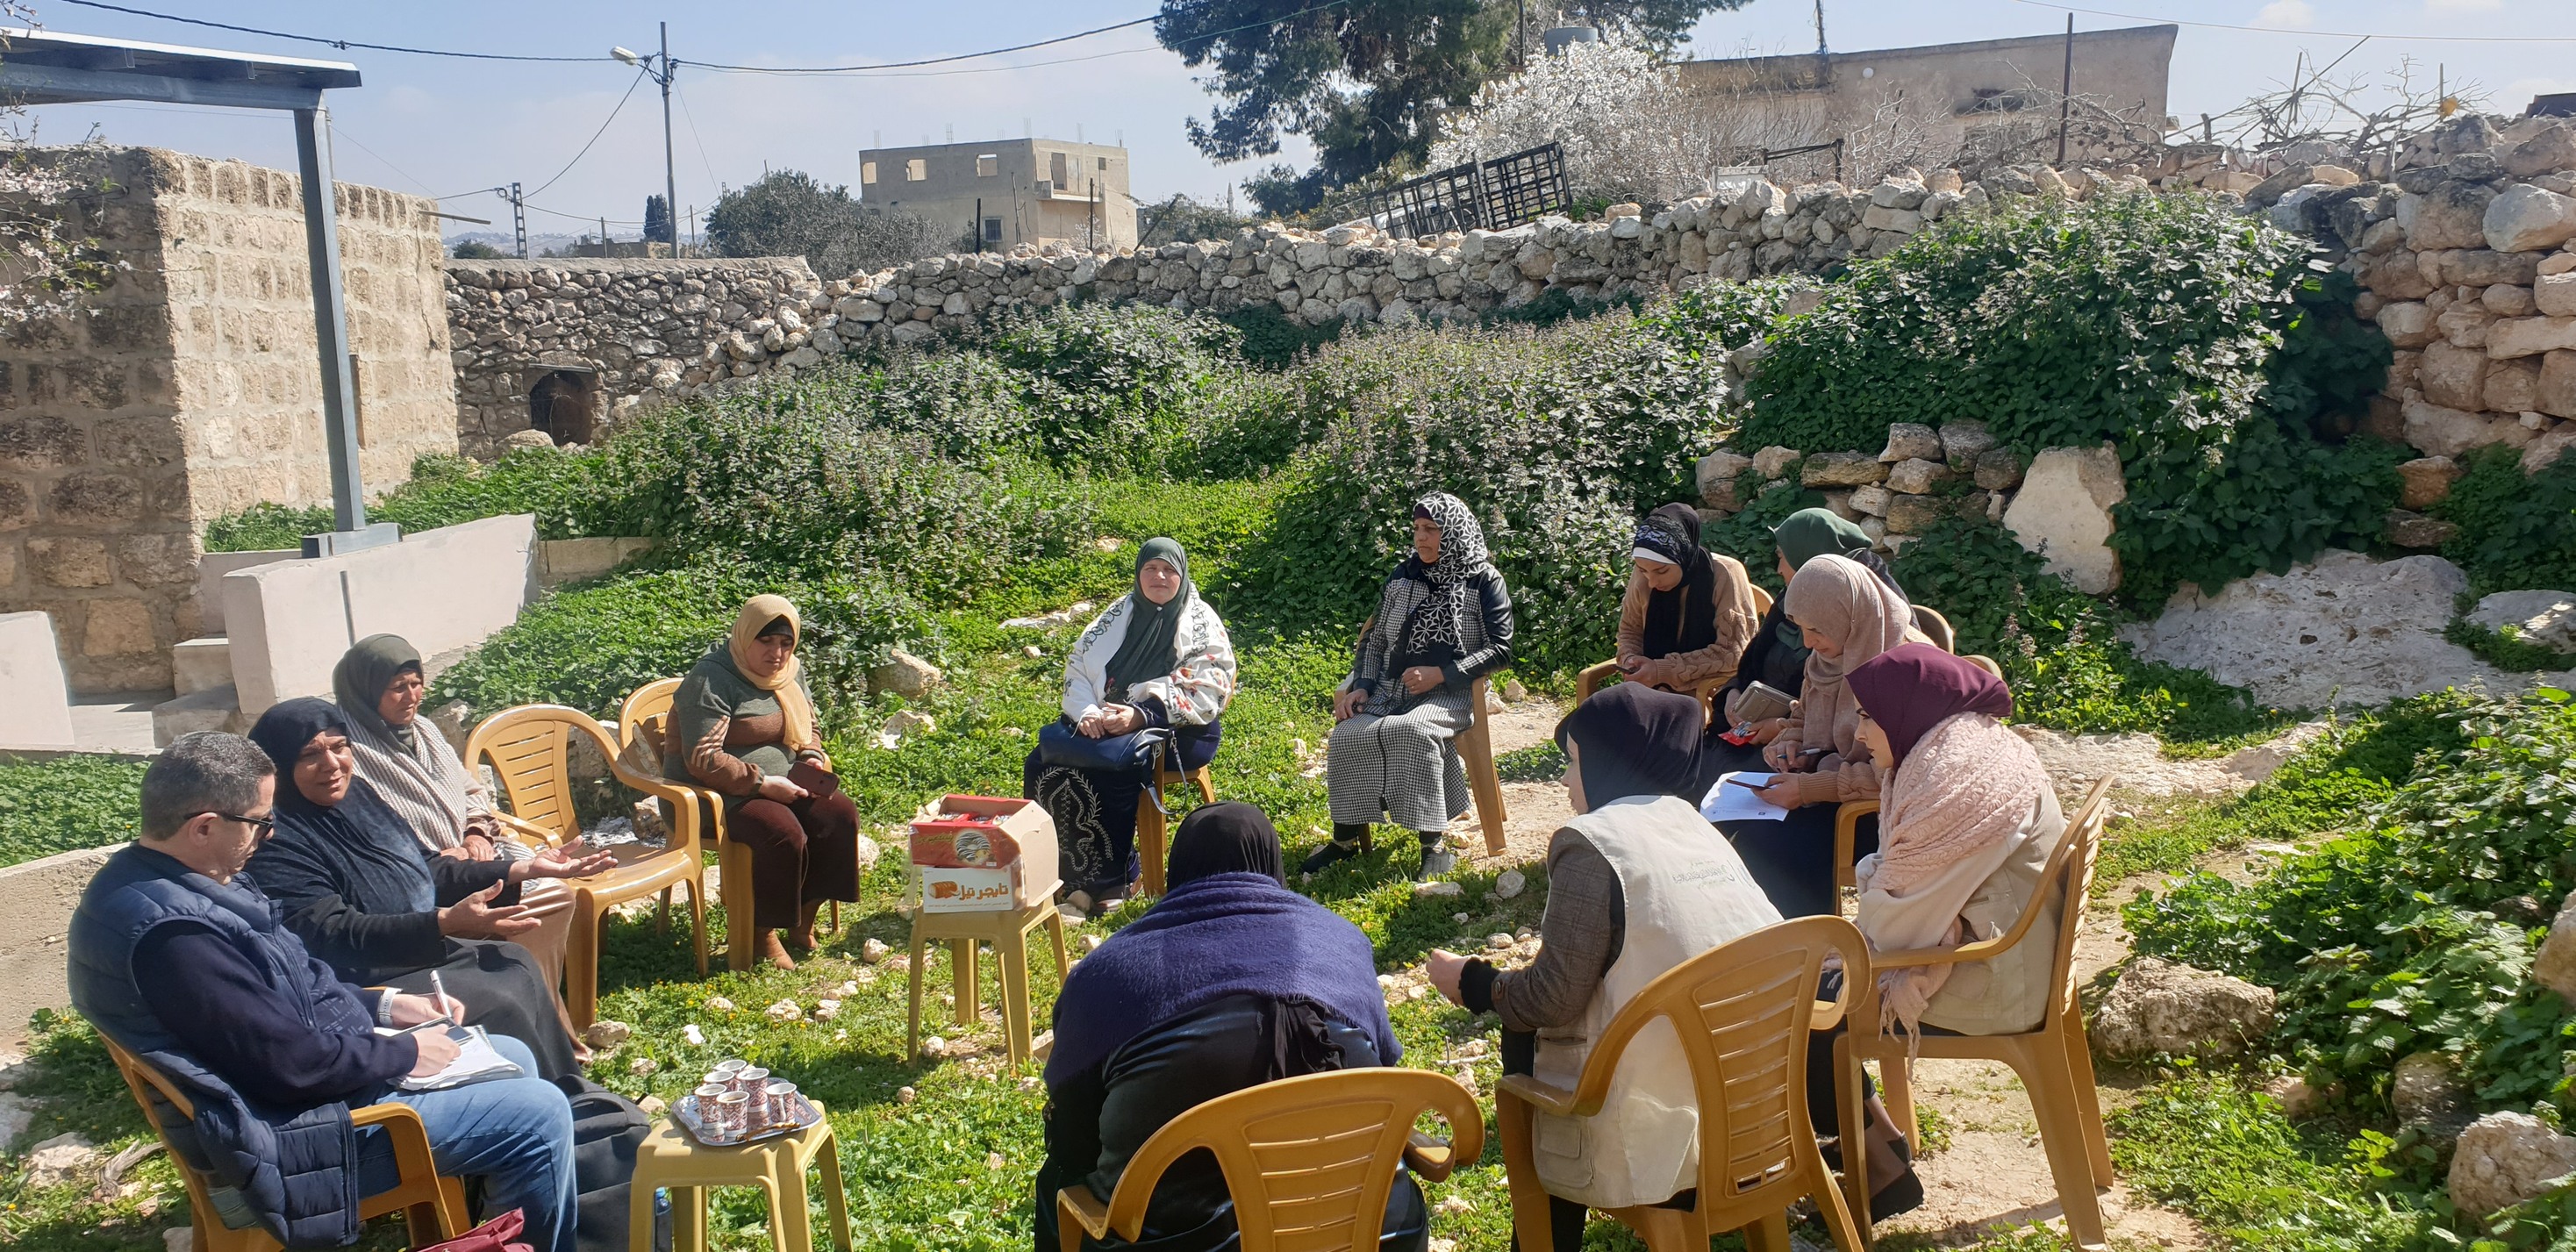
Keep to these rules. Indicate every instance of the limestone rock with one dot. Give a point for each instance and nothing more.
(1871, 501)
(2453, 377)
(606, 1033)
(1774, 461)
(521, 439)
(1908, 441)
(2063, 512)
(2414, 530)
(2505, 1158)
(2544, 452)
(1716, 475)
(450, 719)
(905, 725)
(2158, 1007)
(1916, 476)
(2551, 150)
(904, 674)
(2439, 431)
(1510, 884)
(2525, 218)
(1842, 469)
(2451, 215)
(1963, 442)
(1998, 470)
(2342, 630)
(2556, 393)
(2530, 336)
(1912, 515)
(17, 1112)
(59, 1160)
(2408, 323)
(2297, 1099)
(2555, 965)
(2546, 618)
(2427, 481)
(2554, 295)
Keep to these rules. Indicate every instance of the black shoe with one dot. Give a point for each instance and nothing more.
(1326, 857)
(1436, 860)
(1903, 1194)
(1833, 1150)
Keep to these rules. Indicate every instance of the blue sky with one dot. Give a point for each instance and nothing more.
(436, 126)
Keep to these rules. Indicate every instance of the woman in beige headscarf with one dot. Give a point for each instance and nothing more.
(1848, 617)
(740, 721)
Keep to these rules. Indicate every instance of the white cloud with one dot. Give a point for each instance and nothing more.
(2462, 6)
(2286, 13)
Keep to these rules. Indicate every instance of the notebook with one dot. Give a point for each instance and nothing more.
(476, 1061)
(1730, 801)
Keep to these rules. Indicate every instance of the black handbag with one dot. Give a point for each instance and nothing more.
(1060, 744)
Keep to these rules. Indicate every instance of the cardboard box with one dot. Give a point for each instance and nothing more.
(988, 835)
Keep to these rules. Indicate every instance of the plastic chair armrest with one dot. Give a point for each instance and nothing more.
(1079, 1212)
(528, 828)
(1429, 1157)
(1913, 958)
(1544, 1096)
(1590, 680)
(386, 1114)
(1828, 1014)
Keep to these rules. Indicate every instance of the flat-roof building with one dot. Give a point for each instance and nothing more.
(1010, 191)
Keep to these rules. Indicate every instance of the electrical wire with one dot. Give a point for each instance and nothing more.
(883, 70)
(339, 132)
(341, 44)
(594, 135)
(898, 65)
(695, 138)
(2284, 30)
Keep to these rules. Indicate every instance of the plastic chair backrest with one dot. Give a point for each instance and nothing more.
(1309, 1160)
(1761, 601)
(646, 715)
(2073, 863)
(1935, 627)
(530, 750)
(149, 1084)
(1742, 1011)
(1985, 663)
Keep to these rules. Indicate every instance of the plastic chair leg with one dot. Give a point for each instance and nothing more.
(1152, 836)
(688, 1219)
(836, 1201)
(639, 1212)
(1531, 1227)
(1898, 1076)
(786, 1223)
(1055, 931)
(1855, 1119)
(662, 914)
(1207, 786)
(2079, 1064)
(962, 980)
(698, 922)
(581, 962)
(1014, 960)
(1771, 1234)
(2055, 1106)
(912, 975)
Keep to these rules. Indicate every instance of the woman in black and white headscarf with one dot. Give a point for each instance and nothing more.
(1443, 621)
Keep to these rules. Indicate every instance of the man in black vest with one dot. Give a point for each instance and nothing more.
(177, 956)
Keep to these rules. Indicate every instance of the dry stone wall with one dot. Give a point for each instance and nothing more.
(190, 390)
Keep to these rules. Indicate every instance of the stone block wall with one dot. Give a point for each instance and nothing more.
(632, 328)
(191, 388)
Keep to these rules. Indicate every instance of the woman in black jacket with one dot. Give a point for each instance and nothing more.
(356, 887)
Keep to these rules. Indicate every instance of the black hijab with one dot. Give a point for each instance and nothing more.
(1150, 648)
(1683, 619)
(1229, 837)
(359, 847)
(1636, 741)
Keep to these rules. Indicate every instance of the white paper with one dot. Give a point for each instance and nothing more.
(1730, 802)
(476, 1060)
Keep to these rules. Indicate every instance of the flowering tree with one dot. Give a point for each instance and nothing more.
(1629, 128)
(49, 259)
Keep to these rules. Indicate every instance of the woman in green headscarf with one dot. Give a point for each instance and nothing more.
(1158, 657)
(1777, 657)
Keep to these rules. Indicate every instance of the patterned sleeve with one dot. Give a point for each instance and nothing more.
(1086, 668)
(1196, 692)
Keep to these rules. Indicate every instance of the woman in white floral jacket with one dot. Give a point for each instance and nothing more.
(1157, 658)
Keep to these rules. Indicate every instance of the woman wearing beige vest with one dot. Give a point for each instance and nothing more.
(1638, 883)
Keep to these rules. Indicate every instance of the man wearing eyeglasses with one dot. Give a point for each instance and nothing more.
(178, 957)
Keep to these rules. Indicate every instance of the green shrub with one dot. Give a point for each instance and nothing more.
(2202, 344)
(1558, 438)
(1114, 388)
(567, 492)
(2516, 531)
(66, 803)
(2411, 930)
(2505, 648)
(2059, 648)
(589, 646)
(1273, 342)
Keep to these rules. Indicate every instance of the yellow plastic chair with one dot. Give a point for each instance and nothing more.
(1743, 1011)
(1153, 827)
(643, 726)
(530, 750)
(2054, 1062)
(1309, 1160)
(433, 1207)
(1936, 628)
(1596, 676)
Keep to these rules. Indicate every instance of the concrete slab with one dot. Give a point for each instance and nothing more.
(216, 708)
(201, 664)
(36, 903)
(211, 569)
(35, 712)
(120, 722)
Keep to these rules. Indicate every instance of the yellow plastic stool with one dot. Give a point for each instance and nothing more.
(670, 1158)
(1008, 931)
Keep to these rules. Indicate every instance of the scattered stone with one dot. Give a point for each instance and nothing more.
(2544, 618)
(16, 1113)
(1962, 442)
(2162, 1008)
(1716, 476)
(1841, 469)
(719, 1004)
(2297, 1099)
(904, 674)
(1091, 943)
(605, 1034)
(653, 1104)
(179, 1239)
(1441, 888)
(2504, 1159)
(645, 1066)
(1493, 700)
(904, 725)
(1513, 693)
(1774, 461)
(2063, 512)
(905, 1095)
(1451, 1206)
(785, 1011)
(934, 1046)
(1033, 652)
(1049, 621)
(1032, 1083)
(2414, 530)
(993, 1162)
(646, 818)
(1509, 884)
(873, 951)
(826, 1010)
(1909, 441)
(1458, 919)
(2554, 966)
(2427, 481)
(59, 1160)
(1498, 940)
(2426, 1092)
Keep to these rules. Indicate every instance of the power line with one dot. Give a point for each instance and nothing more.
(2284, 30)
(594, 136)
(341, 132)
(882, 70)
(341, 44)
(692, 119)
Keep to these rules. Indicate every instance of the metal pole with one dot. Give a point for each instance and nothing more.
(1520, 60)
(978, 226)
(519, 220)
(2066, 92)
(330, 317)
(670, 171)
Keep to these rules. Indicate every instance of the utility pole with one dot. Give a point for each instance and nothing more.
(1521, 60)
(518, 218)
(2065, 91)
(663, 69)
(976, 227)
(1820, 27)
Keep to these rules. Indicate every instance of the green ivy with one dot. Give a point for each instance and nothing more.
(66, 803)
(2516, 531)
(565, 490)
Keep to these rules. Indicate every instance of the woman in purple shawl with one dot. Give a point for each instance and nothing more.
(1230, 980)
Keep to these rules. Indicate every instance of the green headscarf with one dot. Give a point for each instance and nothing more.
(359, 682)
(1806, 535)
(1811, 533)
(1149, 650)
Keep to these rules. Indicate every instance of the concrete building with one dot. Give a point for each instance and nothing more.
(1945, 89)
(1032, 191)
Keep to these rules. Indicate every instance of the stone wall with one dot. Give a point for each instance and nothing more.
(626, 329)
(190, 389)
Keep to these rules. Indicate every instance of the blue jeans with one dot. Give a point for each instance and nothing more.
(513, 1133)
